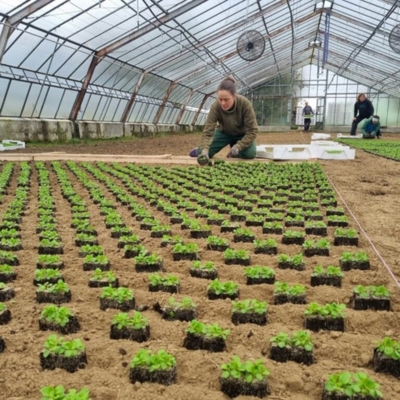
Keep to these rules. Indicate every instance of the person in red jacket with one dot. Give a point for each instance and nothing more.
(363, 109)
(231, 121)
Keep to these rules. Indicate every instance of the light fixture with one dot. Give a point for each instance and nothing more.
(323, 5)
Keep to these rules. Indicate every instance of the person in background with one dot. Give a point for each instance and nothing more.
(371, 128)
(307, 114)
(363, 108)
(231, 121)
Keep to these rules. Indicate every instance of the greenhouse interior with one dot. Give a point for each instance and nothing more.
(191, 207)
(145, 65)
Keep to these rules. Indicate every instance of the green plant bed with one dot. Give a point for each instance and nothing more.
(135, 327)
(10, 244)
(370, 298)
(298, 348)
(60, 319)
(170, 240)
(244, 378)
(201, 336)
(61, 353)
(273, 227)
(386, 357)
(317, 228)
(249, 311)
(5, 314)
(129, 240)
(99, 261)
(147, 366)
(82, 239)
(48, 246)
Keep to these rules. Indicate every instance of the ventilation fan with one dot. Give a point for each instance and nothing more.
(394, 39)
(250, 45)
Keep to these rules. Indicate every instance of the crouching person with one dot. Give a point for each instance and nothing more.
(371, 128)
(231, 122)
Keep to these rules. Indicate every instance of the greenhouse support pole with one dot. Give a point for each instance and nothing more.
(164, 102)
(180, 115)
(132, 99)
(200, 108)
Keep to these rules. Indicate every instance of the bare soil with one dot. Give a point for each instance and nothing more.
(368, 187)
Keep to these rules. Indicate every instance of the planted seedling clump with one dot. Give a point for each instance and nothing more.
(354, 260)
(7, 273)
(173, 310)
(147, 366)
(188, 251)
(287, 262)
(120, 298)
(249, 311)
(205, 270)
(135, 327)
(60, 353)
(297, 348)
(247, 378)
(217, 243)
(5, 314)
(6, 292)
(61, 319)
(60, 393)
(331, 276)
(347, 386)
(241, 257)
(56, 293)
(257, 275)
(386, 357)
(201, 336)
(370, 298)
(148, 262)
(325, 317)
(285, 293)
(222, 290)
(345, 237)
(100, 278)
(168, 283)
(316, 247)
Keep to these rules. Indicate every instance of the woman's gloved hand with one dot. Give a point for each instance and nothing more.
(234, 151)
(203, 158)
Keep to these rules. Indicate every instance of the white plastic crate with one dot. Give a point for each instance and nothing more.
(320, 136)
(11, 145)
(340, 135)
(285, 152)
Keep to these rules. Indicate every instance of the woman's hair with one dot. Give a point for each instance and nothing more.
(228, 84)
(361, 94)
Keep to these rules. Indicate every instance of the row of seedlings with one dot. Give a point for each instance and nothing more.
(132, 326)
(10, 236)
(57, 351)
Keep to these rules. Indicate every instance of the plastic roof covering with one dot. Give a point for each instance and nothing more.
(180, 50)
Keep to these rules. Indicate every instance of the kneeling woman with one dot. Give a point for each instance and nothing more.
(231, 121)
